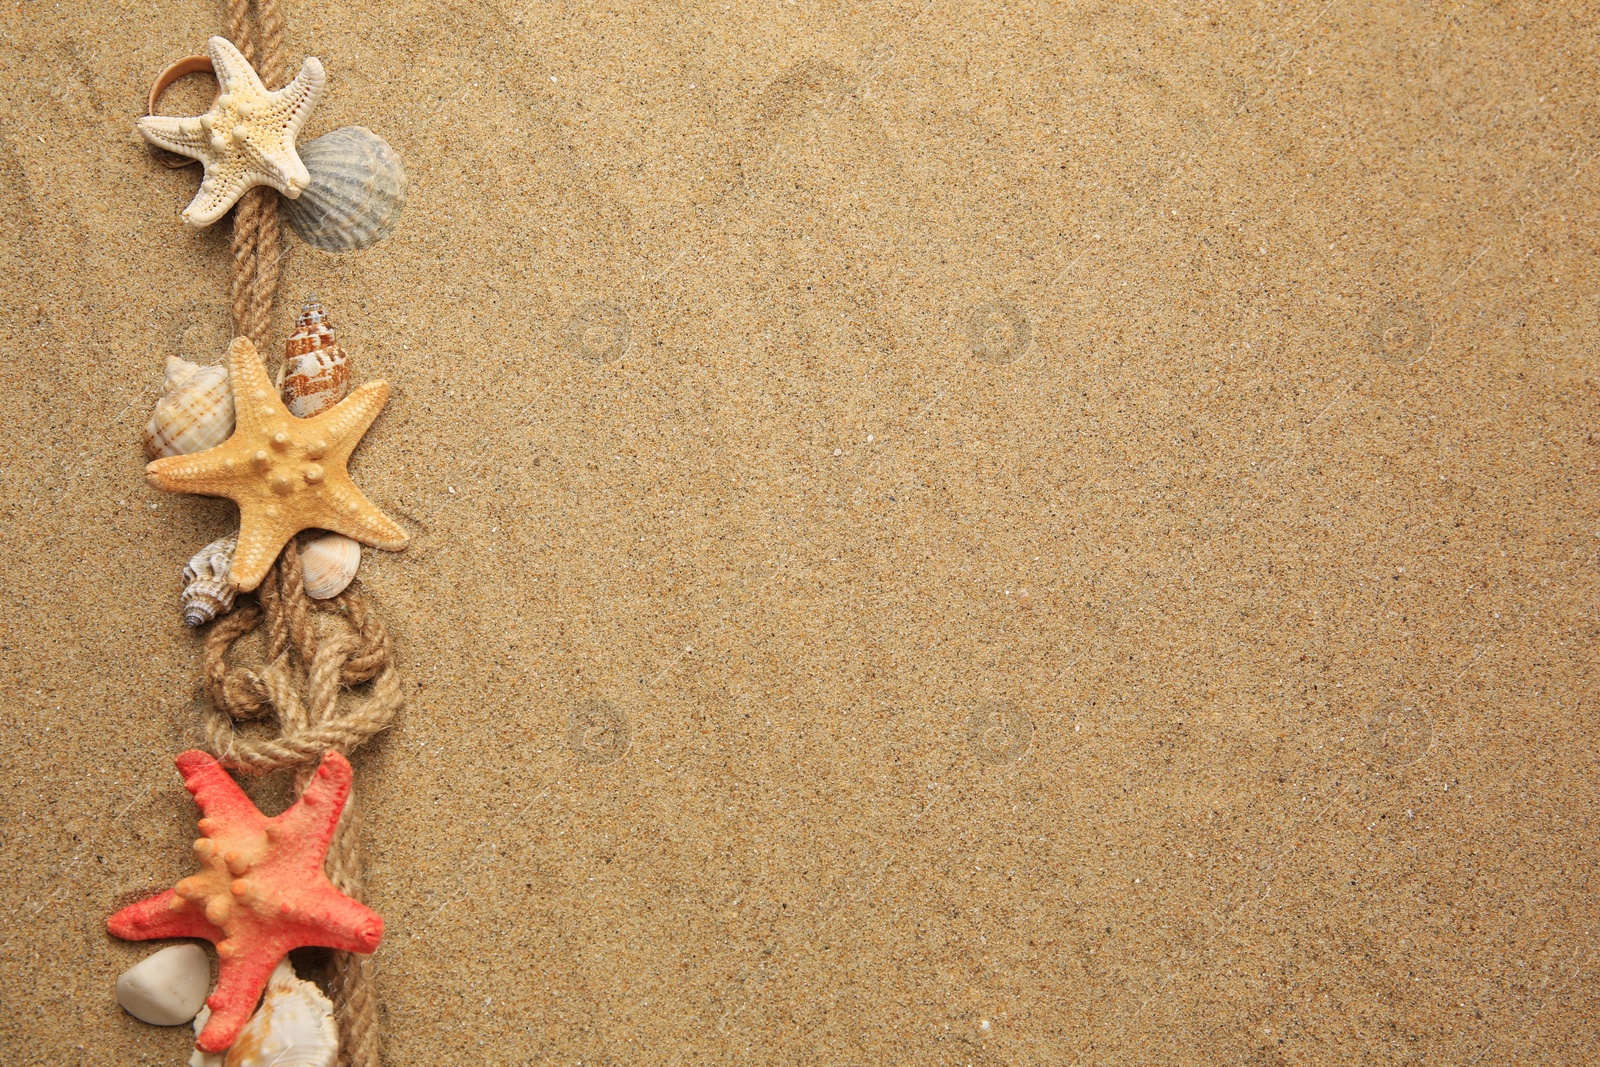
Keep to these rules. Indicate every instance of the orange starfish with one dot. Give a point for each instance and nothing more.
(286, 474)
(262, 891)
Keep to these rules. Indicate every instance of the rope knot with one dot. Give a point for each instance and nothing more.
(337, 643)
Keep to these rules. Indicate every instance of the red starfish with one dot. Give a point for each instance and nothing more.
(261, 892)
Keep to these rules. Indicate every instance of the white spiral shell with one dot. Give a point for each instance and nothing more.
(207, 590)
(294, 1027)
(357, 190)
(195, 411)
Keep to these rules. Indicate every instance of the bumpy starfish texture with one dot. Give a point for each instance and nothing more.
(247, 138)
(286, 474)
(261, 890)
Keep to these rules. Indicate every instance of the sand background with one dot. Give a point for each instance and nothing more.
(1255, 520)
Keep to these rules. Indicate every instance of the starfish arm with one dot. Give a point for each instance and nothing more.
(301, 95)
(313, 818)
(353, 515)
(234, 72)
(277, 164)
(272, 148)
(240, 981)
(184, 136)
(155, 917)
(261, 538)
(255, 398)
(345, 924)
(344, 424)
(215, 792)
(216, 195)
(201, 473)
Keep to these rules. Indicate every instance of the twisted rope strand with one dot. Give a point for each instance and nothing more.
(274, 66)
(257, 263)
(338, 643)
(239, 29)
(257, 228)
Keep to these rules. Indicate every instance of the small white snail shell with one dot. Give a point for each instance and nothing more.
(207, 590)
(195, 411)
(330, 564)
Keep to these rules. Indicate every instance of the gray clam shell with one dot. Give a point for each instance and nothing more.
(357, 190)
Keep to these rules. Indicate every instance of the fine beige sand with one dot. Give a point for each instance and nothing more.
(1081, 520)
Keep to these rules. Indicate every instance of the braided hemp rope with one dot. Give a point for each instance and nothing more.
(357, 650)
(354, 647)
(349, 647)
(257, 229)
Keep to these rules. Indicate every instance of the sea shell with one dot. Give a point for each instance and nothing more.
(195, 411)
(207, 589)
(357, 190)
(330, 564)
(167, 987)
(294, 1027)
(315, 373)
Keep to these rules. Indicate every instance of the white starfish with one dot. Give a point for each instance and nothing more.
(247, 138)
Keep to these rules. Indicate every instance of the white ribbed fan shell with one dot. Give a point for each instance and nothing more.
(357, 190)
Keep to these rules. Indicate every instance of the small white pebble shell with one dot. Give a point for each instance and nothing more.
(195, 411)
(167, 987)
(207, 589)
(330, 564)
(294, 1027)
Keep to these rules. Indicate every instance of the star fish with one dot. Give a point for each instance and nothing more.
(261, 892)
(286, 474)
(246, 139)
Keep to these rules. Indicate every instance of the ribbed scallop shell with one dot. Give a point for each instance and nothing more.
(294, 1027)
(330, 564)
(207, 590)
(195, 411)
(357, 190)
(316, 371)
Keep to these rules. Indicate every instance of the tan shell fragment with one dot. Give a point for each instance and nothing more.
(357, 191)
(207, 590)
(195, 411)
(316, 372)
(330, 564)
(294, 1027)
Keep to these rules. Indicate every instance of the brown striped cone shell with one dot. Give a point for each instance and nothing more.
(330, 563)
(195, 411)
(357, 191)
(207, 590)
(316, 371)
